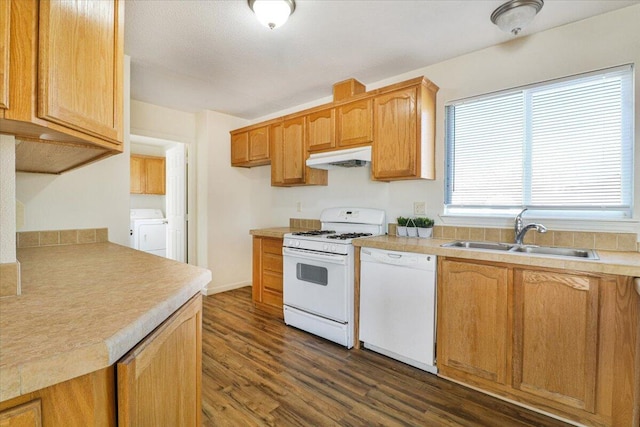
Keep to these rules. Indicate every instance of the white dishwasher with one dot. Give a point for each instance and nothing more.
(398, 306)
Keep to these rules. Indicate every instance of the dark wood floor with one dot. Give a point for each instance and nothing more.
(258, 371)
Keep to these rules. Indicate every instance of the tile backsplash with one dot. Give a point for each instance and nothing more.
(29, 239)
(626, 242)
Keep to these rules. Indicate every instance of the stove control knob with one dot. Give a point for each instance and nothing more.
(334, 248)
(297, 243)
(325, 247)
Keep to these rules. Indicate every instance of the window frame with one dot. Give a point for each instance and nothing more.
(566, 212)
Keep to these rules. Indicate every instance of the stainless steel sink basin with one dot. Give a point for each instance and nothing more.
(568, 252)
(525, 249)
(479, 245)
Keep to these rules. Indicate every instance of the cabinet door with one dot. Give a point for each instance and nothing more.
(473, 331)
(5, 11)
(355, 123)
(272, 272)
(259, 144)
(239, 148)
(395, 135)
(80, 65)
(267, 274)
(321, 130)
(294, 151)
(155, 170)
(137, 183)
(26, 415)
(276, 147)
(556, 336)
(159, 381)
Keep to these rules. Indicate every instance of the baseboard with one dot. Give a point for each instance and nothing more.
(210, 290)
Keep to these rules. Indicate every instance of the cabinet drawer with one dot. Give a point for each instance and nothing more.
(272, 263)
(272, 246)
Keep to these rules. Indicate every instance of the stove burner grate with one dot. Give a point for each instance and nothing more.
(345, 236)
(313, 232)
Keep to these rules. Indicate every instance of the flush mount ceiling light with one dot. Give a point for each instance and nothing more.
(272, 13)
(514, 15)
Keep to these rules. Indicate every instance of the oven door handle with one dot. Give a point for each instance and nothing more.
(317, 256)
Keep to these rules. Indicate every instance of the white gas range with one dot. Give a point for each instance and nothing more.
(319, 272)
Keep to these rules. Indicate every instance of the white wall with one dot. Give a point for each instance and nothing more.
(224, 205)
(7, 199)
(93, 196)
(600, 42)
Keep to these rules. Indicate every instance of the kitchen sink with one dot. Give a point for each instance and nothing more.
(526, 249)
(479, 245)
(546, 250)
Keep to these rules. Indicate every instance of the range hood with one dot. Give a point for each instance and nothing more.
(352, 157)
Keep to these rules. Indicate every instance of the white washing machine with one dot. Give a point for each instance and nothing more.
(148, 231)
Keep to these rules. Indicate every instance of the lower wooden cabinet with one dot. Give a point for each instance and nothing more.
(88, 400)
(267, 274)
(473, 319)
(158, 383)
(26, 415)
(562, 341)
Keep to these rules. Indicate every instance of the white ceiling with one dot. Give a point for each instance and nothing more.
(192, 55)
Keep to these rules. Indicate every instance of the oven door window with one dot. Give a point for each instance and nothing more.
(312, 273)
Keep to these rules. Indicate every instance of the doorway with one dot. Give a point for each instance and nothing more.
(174, 202)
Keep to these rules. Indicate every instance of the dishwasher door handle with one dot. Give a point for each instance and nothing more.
(391, 257)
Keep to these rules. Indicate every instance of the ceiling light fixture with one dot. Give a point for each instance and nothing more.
(272, 13)
(514, 15)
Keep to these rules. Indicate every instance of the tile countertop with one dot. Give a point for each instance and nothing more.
(275, 232)
(82, 308)
(610, 262)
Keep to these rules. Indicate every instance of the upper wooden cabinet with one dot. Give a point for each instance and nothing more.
(398, 121)
(250, 147)
(355, 123)
(289, 155)
(321, 130)
(65, 82)
(5, 13)
(404, 133)
(148, 175)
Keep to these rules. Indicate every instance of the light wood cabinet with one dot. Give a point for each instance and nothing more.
(563, 341)
(148, 175)
(404, 133)
(289, 155)
(474, 322)
(5, 14)
(267, 274)
(556, 336)
(159, 381)
(355, 124)
(88, 400)
(65, 82)
(25, 415)
(250, 147)
(321, 130)
(398, 121)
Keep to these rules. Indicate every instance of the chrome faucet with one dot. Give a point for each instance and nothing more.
(521, 230)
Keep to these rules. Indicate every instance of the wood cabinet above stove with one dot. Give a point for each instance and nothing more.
(398, 121)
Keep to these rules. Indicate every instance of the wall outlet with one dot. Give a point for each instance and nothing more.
(419, 208)
(299, 206)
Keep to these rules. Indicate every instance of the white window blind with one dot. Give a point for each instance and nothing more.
(564, 145)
